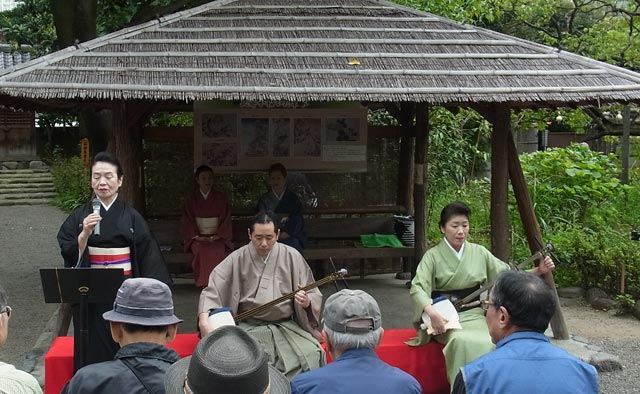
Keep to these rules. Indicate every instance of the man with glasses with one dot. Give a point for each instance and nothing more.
(12, 380)
(519, 309)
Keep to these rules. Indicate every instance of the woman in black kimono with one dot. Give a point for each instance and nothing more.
(124, 242)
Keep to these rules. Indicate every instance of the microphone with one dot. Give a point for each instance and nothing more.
(96, 209)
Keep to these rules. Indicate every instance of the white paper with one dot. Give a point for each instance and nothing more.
(446, 309)
(223, 318)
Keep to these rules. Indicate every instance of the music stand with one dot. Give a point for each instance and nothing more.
(82, 286)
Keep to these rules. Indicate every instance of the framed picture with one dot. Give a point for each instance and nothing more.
(229, 138)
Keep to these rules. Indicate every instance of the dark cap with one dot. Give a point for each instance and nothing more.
(143, 301)
(352, 311)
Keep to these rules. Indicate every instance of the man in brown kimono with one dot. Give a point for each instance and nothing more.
(257, 273)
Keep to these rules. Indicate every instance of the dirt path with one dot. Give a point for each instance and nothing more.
(593, 324)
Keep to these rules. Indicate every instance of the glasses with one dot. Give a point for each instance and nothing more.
(8, 311)
(484, 304)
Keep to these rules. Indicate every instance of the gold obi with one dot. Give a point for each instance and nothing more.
(207, 226)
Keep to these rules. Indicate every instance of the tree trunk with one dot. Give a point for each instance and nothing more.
(128, 119)
(74, 20)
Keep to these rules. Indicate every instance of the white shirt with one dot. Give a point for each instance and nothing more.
(15, 381)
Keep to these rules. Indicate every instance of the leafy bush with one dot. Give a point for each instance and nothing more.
(72, 182)
(565, 184)
(583, 210)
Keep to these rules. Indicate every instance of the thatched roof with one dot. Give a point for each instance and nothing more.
(315, 50)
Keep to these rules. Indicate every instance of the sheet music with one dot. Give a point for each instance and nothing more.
(446, 309)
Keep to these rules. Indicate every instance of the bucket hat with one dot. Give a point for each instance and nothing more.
(143, 301)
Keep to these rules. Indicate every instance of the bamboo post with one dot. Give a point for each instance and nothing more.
(532, 230)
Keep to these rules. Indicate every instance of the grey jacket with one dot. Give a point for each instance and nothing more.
(137, 368)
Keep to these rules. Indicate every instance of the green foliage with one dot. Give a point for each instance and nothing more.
(626, 302)
(479, 12)
(566, 183)
(30, 23)
(574, 120)
(72, 182)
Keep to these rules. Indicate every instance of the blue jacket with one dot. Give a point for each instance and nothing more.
(356, 371)
(150, 361)
(526, 362)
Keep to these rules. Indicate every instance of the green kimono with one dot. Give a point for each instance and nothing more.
(440, 270)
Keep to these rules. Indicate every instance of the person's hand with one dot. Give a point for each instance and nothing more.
(203, 324)
(89, 223)
(547, 265)
(302, 298)
(437, 321)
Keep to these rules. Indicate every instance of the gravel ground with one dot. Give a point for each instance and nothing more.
(625, 381)
(27, 239)
(28, 243)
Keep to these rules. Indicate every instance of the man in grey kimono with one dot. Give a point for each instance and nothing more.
(257, 273)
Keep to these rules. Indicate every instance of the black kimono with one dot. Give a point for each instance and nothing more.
(121, 226)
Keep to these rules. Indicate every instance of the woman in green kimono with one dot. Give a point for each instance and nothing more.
(455, 268)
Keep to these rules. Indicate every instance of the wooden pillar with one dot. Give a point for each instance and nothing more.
(407, 149)
(500, 117)
(626, 131)
(419, 188)
(127, 134)
(405, 182)
(532, 230)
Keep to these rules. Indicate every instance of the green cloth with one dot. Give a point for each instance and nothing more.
(380, 241)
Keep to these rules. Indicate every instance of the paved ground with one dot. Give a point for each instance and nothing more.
(27, 239)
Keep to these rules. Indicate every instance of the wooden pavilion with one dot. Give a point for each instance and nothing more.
(372, 52)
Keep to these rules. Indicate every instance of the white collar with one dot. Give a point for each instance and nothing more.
(279, 197)
(106, 207)
(266, 259)
(203, 194)
(457, 253)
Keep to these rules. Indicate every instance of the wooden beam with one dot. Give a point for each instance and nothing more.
(169, 133)
(500, 118)
(185, 134)
(531, 229)
(419, 189)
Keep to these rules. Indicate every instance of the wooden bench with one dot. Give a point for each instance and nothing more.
(336, 238)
